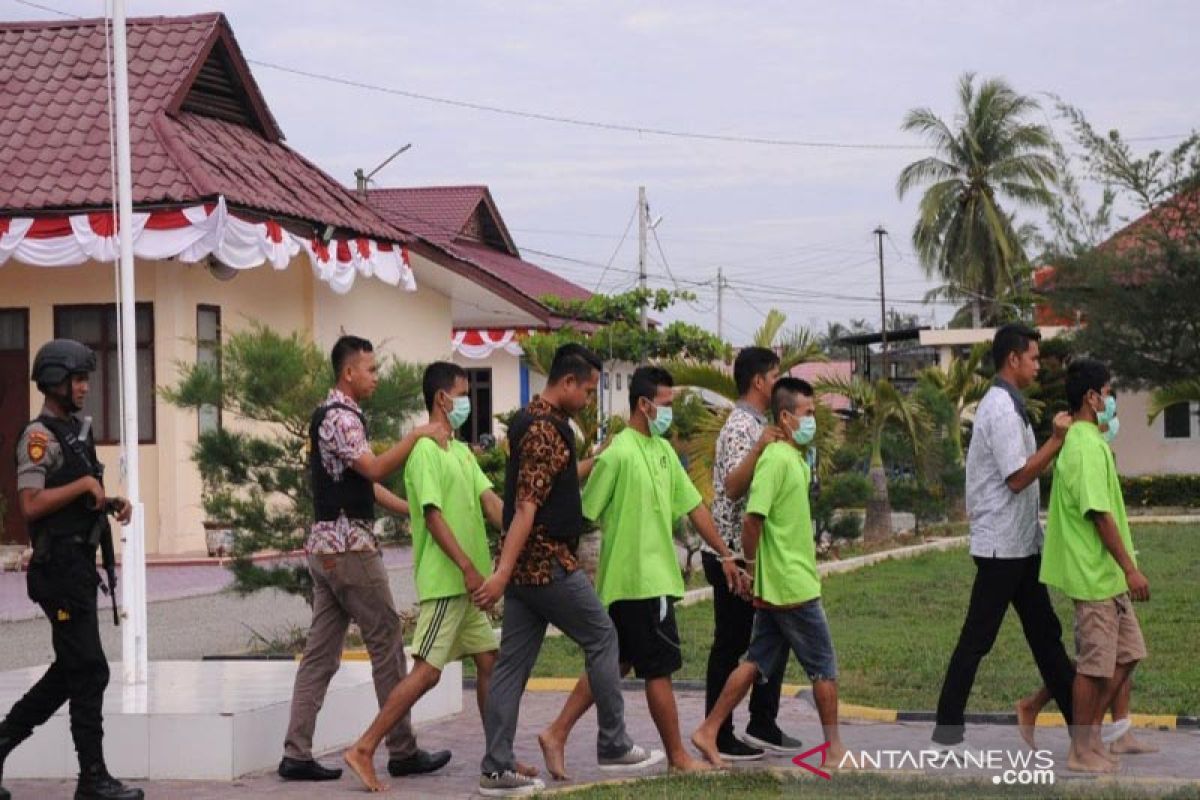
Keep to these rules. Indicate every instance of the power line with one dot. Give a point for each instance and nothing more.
(616, 250)
(641, 130)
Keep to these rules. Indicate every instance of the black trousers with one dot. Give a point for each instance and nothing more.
(733, 620)
(1000, 582)
(79, 673)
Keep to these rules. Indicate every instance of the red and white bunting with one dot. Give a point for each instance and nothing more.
(479, 343)
(195, 233)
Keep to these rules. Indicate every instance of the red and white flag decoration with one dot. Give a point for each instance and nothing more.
(478, 343)
(195, 233)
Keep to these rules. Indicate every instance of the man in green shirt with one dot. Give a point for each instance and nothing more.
(1089, 557)
(449, 496)
(637, 491)
(777, 541)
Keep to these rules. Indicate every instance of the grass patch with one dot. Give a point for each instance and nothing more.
(895, 624)
(768, 786)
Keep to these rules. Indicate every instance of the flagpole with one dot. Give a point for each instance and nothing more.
(133, 553)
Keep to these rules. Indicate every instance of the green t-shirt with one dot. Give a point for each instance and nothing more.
(451, 481)
(636, 492)
(1074, 560)
(785, 568)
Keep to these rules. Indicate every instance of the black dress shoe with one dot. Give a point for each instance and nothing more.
(97, 784)
(419, 763)
(294, 769)
(4, 795)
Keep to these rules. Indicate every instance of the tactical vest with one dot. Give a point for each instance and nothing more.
(79, 461)
(353, 495)
(562, 514)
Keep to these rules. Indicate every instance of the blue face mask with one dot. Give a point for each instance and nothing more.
(1114, 425)
(807, 430)
(462, 409)
(1110, 410)
(663, 416)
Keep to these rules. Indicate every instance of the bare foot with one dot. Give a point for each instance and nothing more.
(687, 764)
(1026, 721)
(1089, 762)
(1130, 745)
(554, 753)
(707, 745)
(362, 764)
(528, 770)
(1100, 750)
(834, 757)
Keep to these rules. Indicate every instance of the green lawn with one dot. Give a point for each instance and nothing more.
(765, 786)
(896, 623)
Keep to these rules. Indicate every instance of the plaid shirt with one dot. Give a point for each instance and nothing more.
(341, 439)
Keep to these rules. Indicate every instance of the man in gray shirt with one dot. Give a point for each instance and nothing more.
(1003, 465)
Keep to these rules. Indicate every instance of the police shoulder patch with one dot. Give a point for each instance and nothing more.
(36, 445)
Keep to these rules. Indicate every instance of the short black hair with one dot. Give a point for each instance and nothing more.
(645, 383)
(785, 392)
(750, 363)
(1012, 338)
(440, 376)
(574, 359)
(344, 348)
(1085, 375)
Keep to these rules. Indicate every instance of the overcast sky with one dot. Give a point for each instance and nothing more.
(774, 217)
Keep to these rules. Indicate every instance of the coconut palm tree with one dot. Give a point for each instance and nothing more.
(880, 405)
(991, 153)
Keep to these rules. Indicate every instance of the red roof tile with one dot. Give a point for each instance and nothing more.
(186, 146)
(436, 213)
(441, 215)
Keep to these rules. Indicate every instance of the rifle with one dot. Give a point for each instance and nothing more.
(101, 535)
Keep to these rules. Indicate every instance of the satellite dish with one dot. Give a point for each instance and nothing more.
(220, 270)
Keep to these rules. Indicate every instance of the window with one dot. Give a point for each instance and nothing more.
(208, 353)
(479, 389)
(96, 326)
(1177, 421)
(619, 381)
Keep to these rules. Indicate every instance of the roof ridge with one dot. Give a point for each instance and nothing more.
(39, 24)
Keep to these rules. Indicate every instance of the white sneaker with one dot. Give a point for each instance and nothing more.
(1110, 733)
(635, 758)
(509, 784)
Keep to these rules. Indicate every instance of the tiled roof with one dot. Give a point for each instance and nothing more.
(529, 279)
(436, 213)
(441, 215)
(187, 143)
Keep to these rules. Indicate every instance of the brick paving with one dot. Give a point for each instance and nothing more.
(1175, 762)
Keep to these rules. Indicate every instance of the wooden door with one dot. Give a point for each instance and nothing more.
(14, 412)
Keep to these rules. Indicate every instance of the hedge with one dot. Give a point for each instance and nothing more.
(1161, 490)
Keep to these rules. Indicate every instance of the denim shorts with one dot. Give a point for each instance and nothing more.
(804, 630)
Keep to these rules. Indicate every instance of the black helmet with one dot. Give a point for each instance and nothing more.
(59, 359)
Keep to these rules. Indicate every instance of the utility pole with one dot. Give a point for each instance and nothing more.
(720, 303)
(879, 234)
(642, 222)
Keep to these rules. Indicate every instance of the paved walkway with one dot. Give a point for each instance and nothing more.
(1176, 761)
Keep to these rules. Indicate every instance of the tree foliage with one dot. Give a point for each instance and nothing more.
(989, 156)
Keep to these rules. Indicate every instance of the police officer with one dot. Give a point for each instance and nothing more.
(62, 498)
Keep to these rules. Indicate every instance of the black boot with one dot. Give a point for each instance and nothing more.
(96, 784)
(10, 737)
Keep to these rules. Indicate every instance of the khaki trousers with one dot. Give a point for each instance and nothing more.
(348, 586)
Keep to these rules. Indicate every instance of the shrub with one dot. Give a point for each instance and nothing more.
(1161, 490)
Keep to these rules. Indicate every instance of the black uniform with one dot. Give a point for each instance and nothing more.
(63, 580)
